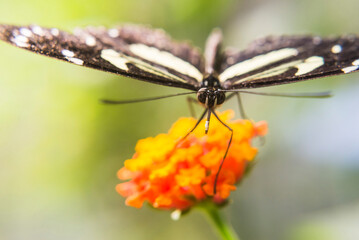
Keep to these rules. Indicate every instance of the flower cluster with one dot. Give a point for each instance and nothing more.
(175, 173)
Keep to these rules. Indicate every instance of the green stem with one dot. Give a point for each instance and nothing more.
(224, 228)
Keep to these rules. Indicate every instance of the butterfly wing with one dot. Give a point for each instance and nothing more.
(130, 50)
(286, 59)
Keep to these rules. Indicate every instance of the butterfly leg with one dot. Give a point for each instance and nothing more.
(240, 105)
(195, 126)
(191, 101)
(225, 154)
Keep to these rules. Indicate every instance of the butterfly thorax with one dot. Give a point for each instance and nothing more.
(210, 94)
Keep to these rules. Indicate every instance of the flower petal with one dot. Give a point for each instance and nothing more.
(170, 172)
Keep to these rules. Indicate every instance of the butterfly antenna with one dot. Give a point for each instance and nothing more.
(293, 95)
(116, 102)
(225, 154)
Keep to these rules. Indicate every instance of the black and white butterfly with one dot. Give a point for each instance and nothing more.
(151, 55)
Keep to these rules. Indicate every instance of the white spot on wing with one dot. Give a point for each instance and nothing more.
(115, 59)
(350, 69)
(55, 31)
(38, 31)
(317, 40)
(21, 38)
(256, 62)
(21, 41)
(113, 32)
(309, 65)
(25, 31)
(67, 53)
(75, 60)
(90, 41)
(336, 48)
(166, 59)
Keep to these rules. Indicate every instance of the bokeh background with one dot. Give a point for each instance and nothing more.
(60, 149)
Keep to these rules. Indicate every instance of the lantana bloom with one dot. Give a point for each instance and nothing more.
(171, 173)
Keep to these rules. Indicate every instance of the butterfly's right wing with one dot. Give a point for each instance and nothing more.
(286, 59)
(130, 50)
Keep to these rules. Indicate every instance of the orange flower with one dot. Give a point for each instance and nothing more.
(174, 173)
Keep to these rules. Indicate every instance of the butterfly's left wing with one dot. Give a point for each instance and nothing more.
(130, 50)
(286, 59)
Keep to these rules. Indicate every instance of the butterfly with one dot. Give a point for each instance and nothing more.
(151, 55)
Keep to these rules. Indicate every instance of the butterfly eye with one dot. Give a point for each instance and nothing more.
(221, 97)
(202, 95)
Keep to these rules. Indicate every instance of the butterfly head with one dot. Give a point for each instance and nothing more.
(210, 94)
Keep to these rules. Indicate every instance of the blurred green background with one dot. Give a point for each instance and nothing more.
(60, 149)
